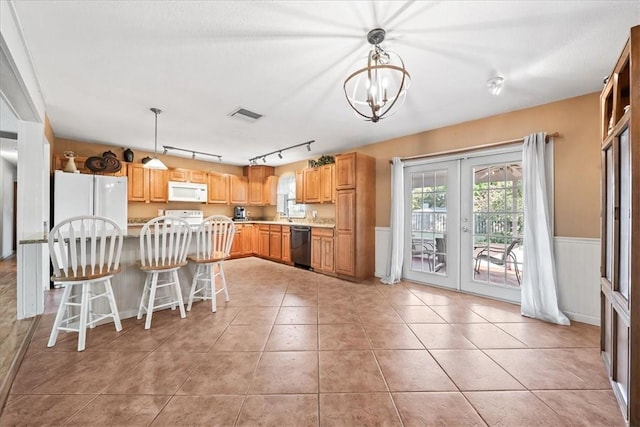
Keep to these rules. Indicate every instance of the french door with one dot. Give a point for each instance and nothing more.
(464, 224)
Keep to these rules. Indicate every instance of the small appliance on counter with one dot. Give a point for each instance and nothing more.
(239, 213)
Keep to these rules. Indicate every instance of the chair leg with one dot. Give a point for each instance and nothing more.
(144, 293)
(176, 286)
(112, 304)
(84, 312)
(212, 281)
(224, 283)
(59, 315)
(152, 298)
(193, 287)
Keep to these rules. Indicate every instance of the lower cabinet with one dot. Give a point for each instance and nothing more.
(275, 242)
(322, 249)
(263, 241)
(237, 247)
(247, 239)
(286, 244)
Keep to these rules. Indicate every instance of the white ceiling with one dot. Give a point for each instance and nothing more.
(103, 64)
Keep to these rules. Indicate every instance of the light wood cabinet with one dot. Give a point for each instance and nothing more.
(247, 239)
(275, 242)
(217, 188)
(355, 199)
(620, 233)
(137, 183)
(270, 191)
(316, 185)
(286, 244)
(238, 188)
(187, 175)
(256, 178)
(263, 242)
(345, 232)
(146, 185)
(327, 184)
(322, 249)
(312, 185)
(300, 186)
(237, 246)
(158, 188)
(346, 171)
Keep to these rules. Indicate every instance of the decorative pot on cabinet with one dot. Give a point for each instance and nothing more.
(128, 155)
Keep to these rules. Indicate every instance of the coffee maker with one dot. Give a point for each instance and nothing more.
(239, 213)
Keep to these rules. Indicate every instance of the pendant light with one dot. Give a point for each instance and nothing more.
(155, 163)
(373, 91)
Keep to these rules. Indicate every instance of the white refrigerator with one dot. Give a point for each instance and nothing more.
(77, 194)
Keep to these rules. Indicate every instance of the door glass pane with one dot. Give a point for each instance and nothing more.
(498, 224)
(625, 213)
(429, 222)
(609, 200)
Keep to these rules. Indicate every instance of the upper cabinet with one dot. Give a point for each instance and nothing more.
(346, 171)
(316, 185)
(187, 175)
(238, 190)
(146, 185)
(218, 188)
(259, 194)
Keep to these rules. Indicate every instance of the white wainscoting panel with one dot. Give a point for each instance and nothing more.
(578, 274)
(383, 240)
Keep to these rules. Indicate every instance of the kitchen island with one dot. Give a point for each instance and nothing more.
(129, 283)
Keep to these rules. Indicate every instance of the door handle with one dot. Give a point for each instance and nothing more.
(465, 229)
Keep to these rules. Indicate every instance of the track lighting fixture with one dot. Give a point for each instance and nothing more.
(254, 160)
(193, 152)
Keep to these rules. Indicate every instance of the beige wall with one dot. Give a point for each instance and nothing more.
(576, 156)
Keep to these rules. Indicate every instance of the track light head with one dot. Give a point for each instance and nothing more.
(309, 147)
(280, 154)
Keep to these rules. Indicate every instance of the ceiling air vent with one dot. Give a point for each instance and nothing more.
(244, 114)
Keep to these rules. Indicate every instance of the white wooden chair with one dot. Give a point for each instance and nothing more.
(85, 253)
(164, 243)
(214, 239)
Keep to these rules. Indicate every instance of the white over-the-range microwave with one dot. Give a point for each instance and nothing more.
(187, 192)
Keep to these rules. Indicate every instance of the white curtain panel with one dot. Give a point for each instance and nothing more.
(539, 287)
(394, 265)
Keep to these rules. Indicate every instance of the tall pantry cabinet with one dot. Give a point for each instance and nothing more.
(620, 232)
(355, 216)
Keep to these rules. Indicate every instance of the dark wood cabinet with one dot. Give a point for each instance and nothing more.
(620, 233)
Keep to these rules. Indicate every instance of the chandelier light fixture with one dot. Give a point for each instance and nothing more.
(155, 163)
(373, 91)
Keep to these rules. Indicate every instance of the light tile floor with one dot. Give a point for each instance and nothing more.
(295, 348)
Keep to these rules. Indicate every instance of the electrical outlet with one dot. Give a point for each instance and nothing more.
(160, 212)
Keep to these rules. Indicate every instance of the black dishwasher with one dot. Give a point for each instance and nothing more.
(301, 246)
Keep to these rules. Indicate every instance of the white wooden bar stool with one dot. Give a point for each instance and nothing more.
(85, 253)
(164, 243)
(214, 239)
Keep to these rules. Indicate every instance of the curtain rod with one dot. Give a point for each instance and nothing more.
(477, 147)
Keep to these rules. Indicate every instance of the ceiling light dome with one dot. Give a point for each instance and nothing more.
(374, 90)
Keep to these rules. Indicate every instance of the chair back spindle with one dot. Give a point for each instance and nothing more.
(84, 246)
(164, 241)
